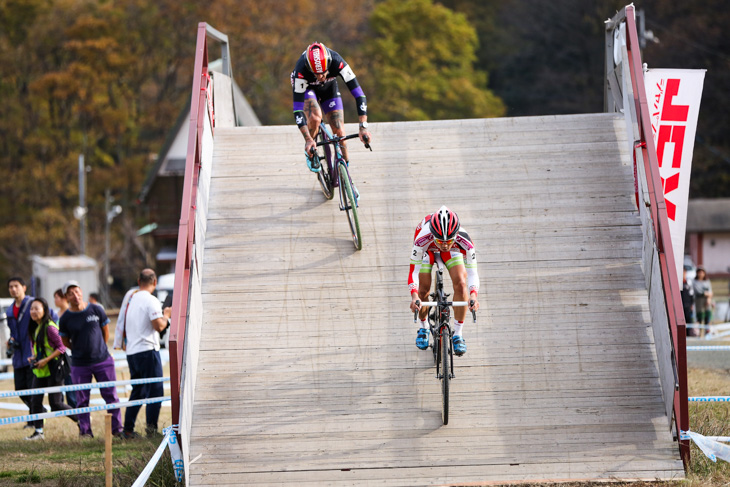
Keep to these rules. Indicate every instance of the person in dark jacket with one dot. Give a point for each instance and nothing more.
(688, 304)
(19, 343)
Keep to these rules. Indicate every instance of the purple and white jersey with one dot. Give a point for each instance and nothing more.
(304, 84)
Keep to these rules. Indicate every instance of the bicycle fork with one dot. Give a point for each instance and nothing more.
(437, 343)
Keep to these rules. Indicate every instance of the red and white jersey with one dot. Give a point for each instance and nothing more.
(425, 253)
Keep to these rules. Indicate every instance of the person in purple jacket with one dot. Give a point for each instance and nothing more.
(84, 330)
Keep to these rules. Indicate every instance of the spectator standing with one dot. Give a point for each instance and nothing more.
(84, 330)
(94, 298)
(18, 322)
(703, 297)
(47, 345)
(688, 304)
(60, 301)
(141, 319)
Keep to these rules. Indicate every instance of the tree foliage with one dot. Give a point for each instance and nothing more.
(421, 64)
(82, 77)
(108, 78)
(267, 39)
(548, 58)
(694, 36)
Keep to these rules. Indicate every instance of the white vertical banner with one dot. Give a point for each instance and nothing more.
(674, 98)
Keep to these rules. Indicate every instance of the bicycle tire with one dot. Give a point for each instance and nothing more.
(350, 206)
(445, 374)
(324, 176)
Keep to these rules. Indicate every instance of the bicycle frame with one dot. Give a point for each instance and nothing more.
(335, 172)
(440, 329)
(443, 317)
(334, 166)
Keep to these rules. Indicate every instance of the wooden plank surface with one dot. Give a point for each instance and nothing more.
(308, 372)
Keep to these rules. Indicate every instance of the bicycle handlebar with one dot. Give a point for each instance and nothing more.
(337, 139)
(448, 303)
(453, 304)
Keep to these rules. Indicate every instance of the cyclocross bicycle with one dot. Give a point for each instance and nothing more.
(442, 346)
(334, 173)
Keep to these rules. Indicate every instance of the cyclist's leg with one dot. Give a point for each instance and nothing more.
(454, 261)
(314, 117)
(334, 113)
(424, 282)
(313, 112)
(457, 271)
(424, 287)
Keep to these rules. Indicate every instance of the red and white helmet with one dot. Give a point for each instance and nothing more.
(318, 58)
(444, 224)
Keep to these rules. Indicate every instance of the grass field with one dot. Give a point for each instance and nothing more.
(65, 460)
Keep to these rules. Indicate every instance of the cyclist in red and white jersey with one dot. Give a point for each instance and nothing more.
(441, 239)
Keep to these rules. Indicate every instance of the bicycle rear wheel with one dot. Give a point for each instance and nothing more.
(445, 373)
(324, 176)
(349, 205)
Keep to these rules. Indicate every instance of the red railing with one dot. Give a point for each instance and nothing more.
(186, 232)
(670, 281)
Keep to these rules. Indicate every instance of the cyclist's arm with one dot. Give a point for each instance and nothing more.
(472, 275)
(414, 268)
(470, 261)
(356, 90)
(299, 88)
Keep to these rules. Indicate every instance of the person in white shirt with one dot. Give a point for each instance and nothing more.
(141, 319)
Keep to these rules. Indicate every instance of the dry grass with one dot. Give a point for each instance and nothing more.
(709, 419)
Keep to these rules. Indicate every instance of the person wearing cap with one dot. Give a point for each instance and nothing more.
(84, 330)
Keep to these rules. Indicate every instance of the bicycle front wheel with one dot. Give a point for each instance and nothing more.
(350, 207)
(324, 176)
(445, 373)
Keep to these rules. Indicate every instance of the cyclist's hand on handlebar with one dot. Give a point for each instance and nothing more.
(415, 303)
(473, 302)
(366, 137)
(309, 147)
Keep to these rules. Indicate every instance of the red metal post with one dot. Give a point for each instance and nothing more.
(186, 231)
(670, 281)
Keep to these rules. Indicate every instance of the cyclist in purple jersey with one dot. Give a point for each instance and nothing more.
(315, 90)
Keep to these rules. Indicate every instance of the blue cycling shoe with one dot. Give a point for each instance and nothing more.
(459, 345)
(313, 163)
(422, 339)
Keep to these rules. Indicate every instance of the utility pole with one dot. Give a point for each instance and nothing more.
(81, 210)
(111, 212)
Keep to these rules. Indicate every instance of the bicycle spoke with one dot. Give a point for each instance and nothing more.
(324, 176)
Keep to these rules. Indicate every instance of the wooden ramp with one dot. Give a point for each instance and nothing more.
(309, 373)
